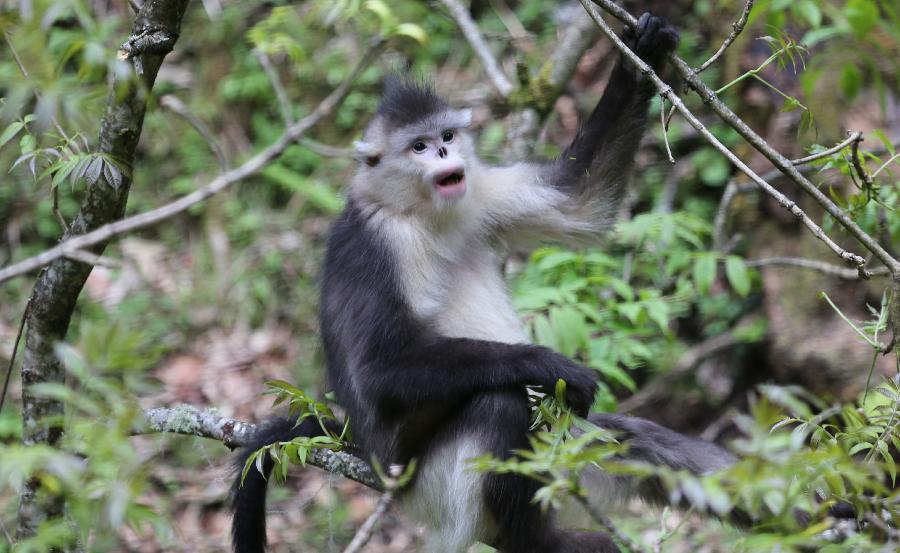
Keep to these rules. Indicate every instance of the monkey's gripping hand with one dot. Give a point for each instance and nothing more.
(652, 40)
(581, 382)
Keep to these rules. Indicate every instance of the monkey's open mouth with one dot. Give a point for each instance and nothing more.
(451, 184)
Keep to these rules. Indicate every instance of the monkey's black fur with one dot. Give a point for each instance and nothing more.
(406, 101)
(407, 389)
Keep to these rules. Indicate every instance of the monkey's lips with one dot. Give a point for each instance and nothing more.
(451, 184)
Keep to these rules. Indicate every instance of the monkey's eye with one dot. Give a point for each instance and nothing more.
(419, 147)
(448, 136)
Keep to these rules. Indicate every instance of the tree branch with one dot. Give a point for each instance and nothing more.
(525, 124)
(192, 421)
(284, 101)
(661, 386)
(815, 265)
(364, 533)
(220, 183)
(175, 105)
(473, 35)
(736, 29)
(669, 93)
(56, 292)
(782, 163)
(854, 137)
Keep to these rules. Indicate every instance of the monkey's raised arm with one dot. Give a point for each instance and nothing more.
(578, 193)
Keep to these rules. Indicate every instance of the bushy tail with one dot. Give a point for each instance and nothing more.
(248, 499)
(653, 444)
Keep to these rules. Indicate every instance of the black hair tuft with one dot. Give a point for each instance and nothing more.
(406, 100)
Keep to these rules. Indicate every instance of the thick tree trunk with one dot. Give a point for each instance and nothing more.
(59, 284)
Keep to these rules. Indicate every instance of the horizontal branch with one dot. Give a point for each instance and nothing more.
(854, 137)
(220, 183)
(192, 421)
(815, 265)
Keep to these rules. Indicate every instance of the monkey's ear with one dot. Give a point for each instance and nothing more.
(465, 117)
(367, 153)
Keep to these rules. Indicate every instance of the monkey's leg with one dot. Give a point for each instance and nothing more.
(502, 418)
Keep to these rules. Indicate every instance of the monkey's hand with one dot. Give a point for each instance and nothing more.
(581, 382)
(653, 39)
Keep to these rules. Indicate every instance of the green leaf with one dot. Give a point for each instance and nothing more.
(658, 312)
(570, 329)
(737, 274)
(704, 272)
(631, 311)
(850, 80)
(413, 31)
(11, 131)
(790, 104)
(320, 196)
(862, 15)
(810, 11)
(27, 143)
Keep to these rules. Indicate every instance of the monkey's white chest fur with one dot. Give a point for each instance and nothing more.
(451, 279)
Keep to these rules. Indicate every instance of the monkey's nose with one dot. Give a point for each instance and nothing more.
(442, 152)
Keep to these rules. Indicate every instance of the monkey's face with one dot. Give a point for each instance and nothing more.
(441, 165)
(419, 167)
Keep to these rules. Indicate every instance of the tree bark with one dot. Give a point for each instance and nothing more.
(56, 292)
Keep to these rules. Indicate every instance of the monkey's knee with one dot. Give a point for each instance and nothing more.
(502, 415)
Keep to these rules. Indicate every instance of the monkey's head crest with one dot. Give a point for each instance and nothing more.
(406, 100)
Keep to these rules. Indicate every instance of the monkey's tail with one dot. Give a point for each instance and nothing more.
(248, 498)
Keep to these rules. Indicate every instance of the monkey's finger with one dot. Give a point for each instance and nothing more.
(649, 36)
(642, 23)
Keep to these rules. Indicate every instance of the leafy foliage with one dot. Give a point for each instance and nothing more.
(300, 407)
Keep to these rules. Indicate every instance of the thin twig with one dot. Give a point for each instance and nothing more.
(516, 30)
(12, 356)
(665, 128)
(732, 189)
(669, 93)
(364, 533)
(782, 163)
(54, 193)
(89, 258)
(815, 265)
(176, 106)
(473, 35)
(736, 29)
(218, 184)
(857, 163)
(284, 101)
(325, 150)
(854, 137)
(885, 164)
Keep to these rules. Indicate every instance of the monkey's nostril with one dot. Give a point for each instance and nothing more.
(442, 152)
